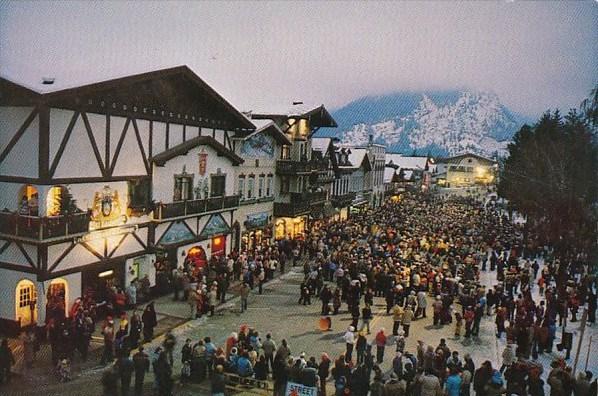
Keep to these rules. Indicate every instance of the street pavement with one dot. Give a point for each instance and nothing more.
(277, 311)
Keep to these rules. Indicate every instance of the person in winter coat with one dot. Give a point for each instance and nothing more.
(508, 356)
(323, 372)
(349, 338)
(429, 384)
(406, 320)
(150, 320)
(422, 304)
(380, 345)
(218, 383)
(453, 383)
(394, 386)
(7, 360)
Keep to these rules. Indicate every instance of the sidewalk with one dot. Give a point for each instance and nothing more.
(170, 314)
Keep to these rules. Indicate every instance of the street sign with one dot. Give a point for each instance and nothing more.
(294, 389)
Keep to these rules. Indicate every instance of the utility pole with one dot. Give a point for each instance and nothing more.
(588, 355)
(582, 331)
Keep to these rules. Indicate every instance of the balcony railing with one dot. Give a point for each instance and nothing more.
(283, 209)
(289, 167)
(34, 227)
(342, 200)
(195, 206)
(301, 203)
(309, 197)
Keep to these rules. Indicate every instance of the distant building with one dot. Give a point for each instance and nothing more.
(409, 171)
(465, 170)
(304, 175)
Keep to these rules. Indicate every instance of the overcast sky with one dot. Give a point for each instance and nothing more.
(533, 55)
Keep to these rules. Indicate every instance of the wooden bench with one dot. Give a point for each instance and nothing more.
(248, 385)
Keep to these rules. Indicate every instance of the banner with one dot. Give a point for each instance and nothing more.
(294, 389)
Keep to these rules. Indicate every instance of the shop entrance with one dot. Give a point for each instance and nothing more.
(56, 298)
(26, 302)
(218, 246)
(198, 260)
(97, 283)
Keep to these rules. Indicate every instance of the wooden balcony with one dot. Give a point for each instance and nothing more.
(196, 206)
(300, 204)
(40, 228)
(339, 201)
(289, 167)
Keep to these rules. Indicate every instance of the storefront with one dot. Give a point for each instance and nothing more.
(290, 227)
(258, 231)
(97, 281)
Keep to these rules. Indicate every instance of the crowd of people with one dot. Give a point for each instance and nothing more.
(422, 257)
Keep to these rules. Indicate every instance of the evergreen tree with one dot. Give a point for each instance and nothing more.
(551, 176)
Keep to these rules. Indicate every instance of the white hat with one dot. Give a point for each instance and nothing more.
(351, 328)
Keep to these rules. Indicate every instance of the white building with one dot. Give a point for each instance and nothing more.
(465, 170)
(97, 181)
(304, 177)
(257, 184)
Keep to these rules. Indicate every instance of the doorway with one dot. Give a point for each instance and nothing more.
(26, 303)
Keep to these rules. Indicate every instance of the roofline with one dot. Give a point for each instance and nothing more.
(305, 115)
(183, 148)
(441, 159)
(278, 133)
(117, 82)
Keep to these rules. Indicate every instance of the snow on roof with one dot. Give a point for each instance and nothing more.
(388, 174)
(287, 109)
(261, 124)
(356, 156)
(320, 144)
(416, 163)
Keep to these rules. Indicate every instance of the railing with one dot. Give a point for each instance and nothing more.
(34, 227)
(300, 203)
(195, 206)
(308, 197)
(289, 167)
(342, 200)
(283, 209)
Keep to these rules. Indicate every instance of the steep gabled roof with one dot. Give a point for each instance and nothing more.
(270, 127)
(183, 148)
(176, 90)
(457, 158)
(318, 116)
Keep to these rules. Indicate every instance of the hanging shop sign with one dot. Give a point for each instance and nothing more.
(107, 209)
(257, 220)
(203, 162)
(177, 232)
(215, 226)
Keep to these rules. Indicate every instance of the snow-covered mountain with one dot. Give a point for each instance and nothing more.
(440, 123)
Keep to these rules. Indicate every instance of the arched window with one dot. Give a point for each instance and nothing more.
(28, 201)
(25, 303)
(56, 299)
(59, 201)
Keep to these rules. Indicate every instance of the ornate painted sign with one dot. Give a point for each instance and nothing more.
(203, 162)
(107, 210)
(259, 145)
(256, 220)
(177, 232)
(216, 225)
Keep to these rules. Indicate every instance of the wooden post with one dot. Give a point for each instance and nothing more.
(588, 355)
(583, 329)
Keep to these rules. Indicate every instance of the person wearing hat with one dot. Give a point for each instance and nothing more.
(349, 338)
(108, 333)
(141, 364)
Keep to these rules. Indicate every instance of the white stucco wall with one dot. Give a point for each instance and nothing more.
(163, 183)
(22, 159)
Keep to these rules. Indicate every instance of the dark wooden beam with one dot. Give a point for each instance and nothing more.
(119, 146)
(140, 144)
(107, 147)
(167, 136)
(20, 132)
(44, 142)
(69, 180)
(27, 257)
(62, 256)
(150, 148)
(18, 268)
(65, 139)
(119, 244)
(94, 146)
(144, 244)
